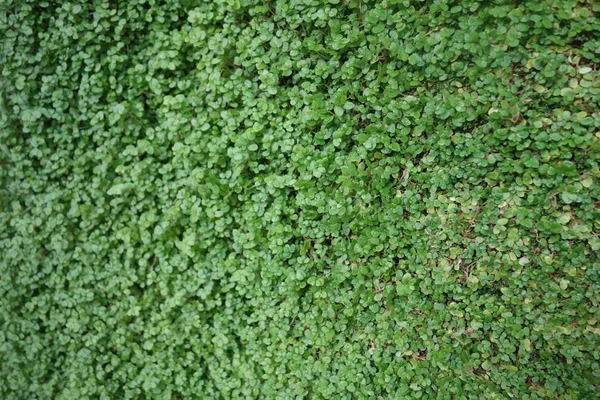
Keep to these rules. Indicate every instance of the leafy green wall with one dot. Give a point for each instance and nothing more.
(299, 199)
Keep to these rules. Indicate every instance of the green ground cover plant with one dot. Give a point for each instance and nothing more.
(300, 199)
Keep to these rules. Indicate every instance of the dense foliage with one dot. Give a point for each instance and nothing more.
(299, 199)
